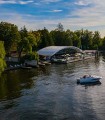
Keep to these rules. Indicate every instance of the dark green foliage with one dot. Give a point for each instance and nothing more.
(102, 44)
(60, 27)
(30, 41)
(86, 39)
(46, 38)
(23, 32)
(58, 37)
(69, 38)
(2, 56)
(96, 40)
(30, 56)
(9, 34)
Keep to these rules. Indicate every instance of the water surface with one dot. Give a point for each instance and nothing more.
(52, 93)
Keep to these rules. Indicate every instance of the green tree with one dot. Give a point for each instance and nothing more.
(103, 44)
(86, 39)
(60, 27)
(76, 40)
(96, 40)
(46, 38)
(2, 57)
(31, 56)
(23, 41)
(23, 32)
(58, 37)
(68, 38)
(37, 35)
(9, 34)
(26, 44)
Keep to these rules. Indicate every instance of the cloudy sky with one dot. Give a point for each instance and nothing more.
(72, 14)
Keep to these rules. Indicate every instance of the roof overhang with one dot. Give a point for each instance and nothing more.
(51, 50)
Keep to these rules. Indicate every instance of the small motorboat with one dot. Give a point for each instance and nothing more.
(88, 79)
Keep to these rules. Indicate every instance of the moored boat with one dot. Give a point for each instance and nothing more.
(25, 67)
(32, 63)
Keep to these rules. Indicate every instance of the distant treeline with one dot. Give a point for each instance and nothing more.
(30, 41)
(24, 40)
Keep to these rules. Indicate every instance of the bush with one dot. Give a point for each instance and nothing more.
(2, 56)
(30, 56)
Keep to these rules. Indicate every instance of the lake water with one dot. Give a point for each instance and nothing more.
(52, 93)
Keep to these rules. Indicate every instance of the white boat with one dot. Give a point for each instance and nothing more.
(88, 79)
(60, 60)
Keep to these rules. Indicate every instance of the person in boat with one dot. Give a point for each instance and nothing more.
(89, 75)
(84, 76)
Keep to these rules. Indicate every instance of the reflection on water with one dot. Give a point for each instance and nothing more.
(52, 93)
(13, 82)
(90, 84)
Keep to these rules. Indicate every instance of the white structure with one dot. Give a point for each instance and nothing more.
(53, 50)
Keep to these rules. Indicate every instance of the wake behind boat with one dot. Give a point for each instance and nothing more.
(88, 79)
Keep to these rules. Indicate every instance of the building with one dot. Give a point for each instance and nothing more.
(58, 52)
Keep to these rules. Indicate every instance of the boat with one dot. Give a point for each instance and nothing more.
(56, 60)
(41, 64)
(11, 67)
(25, 67)
(46, 62)
(32, 63)
(88, 79)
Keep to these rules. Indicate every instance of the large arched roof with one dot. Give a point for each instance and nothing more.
(51, 50)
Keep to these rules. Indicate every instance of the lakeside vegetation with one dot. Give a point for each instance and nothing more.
(2, 57)
(28, 42)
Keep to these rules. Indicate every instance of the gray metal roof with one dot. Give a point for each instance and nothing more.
(51, 50)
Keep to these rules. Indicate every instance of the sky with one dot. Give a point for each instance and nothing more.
(72, 14)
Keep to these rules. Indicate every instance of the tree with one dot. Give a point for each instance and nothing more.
(86, 39)
(103, 44)
(26, 44)
(60, 27)
(23, 32)
(46, 38)
(68, 38)
(9, 34)
(2, 56)
(58, 37)
(96, 40)
(31, 56)
(76, 41)
(37, 35)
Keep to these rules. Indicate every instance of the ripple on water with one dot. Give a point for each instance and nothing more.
(52, 93)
